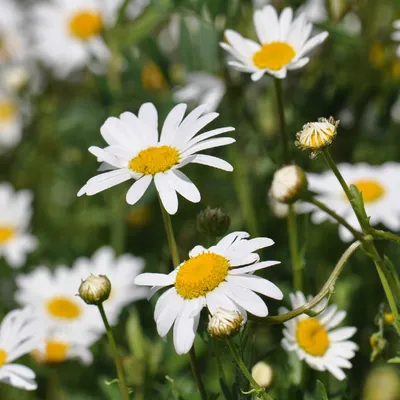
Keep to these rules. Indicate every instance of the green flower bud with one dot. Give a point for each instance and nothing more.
(213, 222)
(95, 289)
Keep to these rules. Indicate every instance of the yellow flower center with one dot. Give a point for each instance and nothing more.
(85, 24)
(312, 337)
(56, 351)
(63, 307)
(274, 55)
(371, 190)
(154, 159)
(3, 357)
(6, 233)
(201, 275)
(8, 110)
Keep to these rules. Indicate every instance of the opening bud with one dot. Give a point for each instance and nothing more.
(213, 222)
(225, 323)
(95, 289)
(316, 136)
(288, 183)
(262, 374)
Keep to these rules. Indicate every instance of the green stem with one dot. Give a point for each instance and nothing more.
(220, 367)
(281, 112)
(118, 363)
(338, 218)
(297, 265)
(385, 235)
(325, 291)
(175, 260)
(242, 366)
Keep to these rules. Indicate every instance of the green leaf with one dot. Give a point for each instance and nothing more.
(134, 335)
(358, 203)
(321, 391)
(394, 360)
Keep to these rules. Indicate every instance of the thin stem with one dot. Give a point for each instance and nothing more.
(220, 367)
(281, 113)
(338, 218)
(242, 366)
(118, 364)
(297, 264)
(326, 290)
(196, 373)
(385, 235)
(175, 260)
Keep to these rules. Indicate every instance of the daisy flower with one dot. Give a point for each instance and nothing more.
(316, 340)
(220, 277)
(121, 271)
(19, 335)
(53, 295)
(315, 11)
(11, 121)
(378, 187)
(136, 151)
(396, 35)
(201, 88)
(64, 344)
(15, 216)
(284, 44)
(67, 34)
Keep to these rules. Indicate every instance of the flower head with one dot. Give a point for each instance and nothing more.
(20, 333)
(225, 323)
(316, 136)
(95, 289)
(317, 340)
(284, 44)
(218, 277)
(262, 374)
(136, 151)
(288, 183)
(15, 216)
(377, 184)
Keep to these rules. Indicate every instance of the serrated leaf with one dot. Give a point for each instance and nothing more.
(321, 391)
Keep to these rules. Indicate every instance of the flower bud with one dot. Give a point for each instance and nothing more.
(382, 383)
(225, 323)
(262, 374)
(278, 209)
(288, 183)
(95, 289)
(213, 222)
(316, 136)
(388, 318)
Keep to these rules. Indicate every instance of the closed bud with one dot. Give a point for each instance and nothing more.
(316, 136)
(225, 323)
(262, 373)
(288, 183)
(95, 289)
(213, 222)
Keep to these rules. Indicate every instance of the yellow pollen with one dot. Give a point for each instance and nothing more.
(3, 357)
(312, 337)
(371, 190)
(6, 233)
(154, 159)
(63, 307)
(200, 275)
(85, 24)
(56, 351)
(7, 110)
(274, 55)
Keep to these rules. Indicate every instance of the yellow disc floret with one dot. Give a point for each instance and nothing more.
(63, 307)
(370, 189)
(273, 56)
(56, 351)
(312, 337)
(201, 274)
(154, 160)
(86, 24)
(3, 357)
(6, 233)
(8, 110)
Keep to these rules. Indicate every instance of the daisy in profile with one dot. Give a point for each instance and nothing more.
(135, 150)
(20, 334)
(220, 277)
(201, 88)
(64, 344)
(317, 340)
(53, 295)
(11, 121)
(284, 44)
(15, 216)
(121, 271)
(378, 187)
(68, 34)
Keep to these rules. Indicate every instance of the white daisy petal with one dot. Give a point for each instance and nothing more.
(136, 191)
(172, 123)
(257, 284)
(148, 115)
(167, 192)
(105, 181)
(342, 334)
(254, 267)
(212, 161)
(184, 186)
(151, 279)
